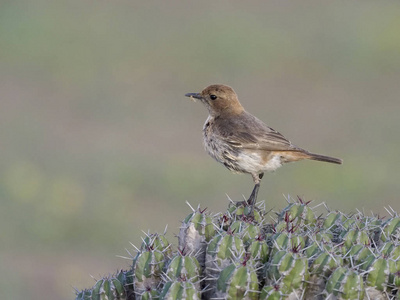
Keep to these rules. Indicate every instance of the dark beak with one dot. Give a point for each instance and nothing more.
(194, 95)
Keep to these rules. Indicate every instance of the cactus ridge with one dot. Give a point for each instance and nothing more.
(291, 254)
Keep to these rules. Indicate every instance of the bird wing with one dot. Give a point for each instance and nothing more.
(248, 132)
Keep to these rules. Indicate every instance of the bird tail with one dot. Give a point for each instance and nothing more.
(328, 159)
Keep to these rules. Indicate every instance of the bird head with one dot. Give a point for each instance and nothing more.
(219, 99)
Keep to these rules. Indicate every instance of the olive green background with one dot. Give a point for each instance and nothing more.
(98, 142)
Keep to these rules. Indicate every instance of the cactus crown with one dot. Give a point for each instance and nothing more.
(296, 255)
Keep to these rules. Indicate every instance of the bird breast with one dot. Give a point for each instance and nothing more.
(237, 159)
(214, 146)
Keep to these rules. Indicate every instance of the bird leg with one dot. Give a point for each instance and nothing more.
(251, 201)
(253, 197)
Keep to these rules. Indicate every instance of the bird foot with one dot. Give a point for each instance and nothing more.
(241, 203)
(248, 209)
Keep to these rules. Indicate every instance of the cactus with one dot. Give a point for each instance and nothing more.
(290, 268)
(234, 255)
(182, 266)
(106, 288)
(223, 249)
(148, 266)
(126, 279)
(259, 250)
(148, 294)
(238, 282)
(345, 283)
(271, 292)
(378, 274)
(84, 295)
(179, 290)
(196, 231)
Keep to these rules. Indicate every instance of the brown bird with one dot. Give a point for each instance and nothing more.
(243, 143)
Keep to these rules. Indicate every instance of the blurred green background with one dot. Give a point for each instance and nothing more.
(98, 141)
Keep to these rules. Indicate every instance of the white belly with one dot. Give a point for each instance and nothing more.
(253, 163)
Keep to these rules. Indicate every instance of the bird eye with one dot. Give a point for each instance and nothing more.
(213, 97)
